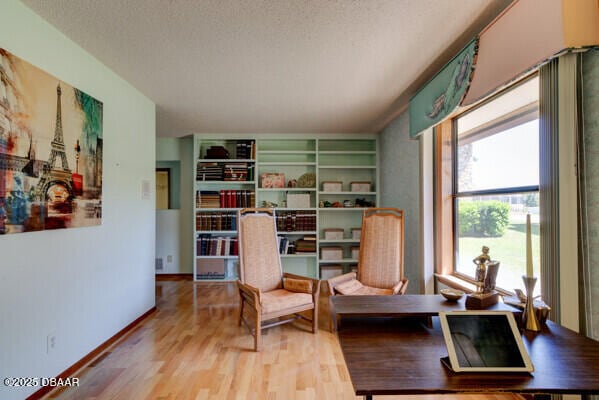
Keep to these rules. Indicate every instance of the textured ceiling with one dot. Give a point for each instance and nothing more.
(279, 66)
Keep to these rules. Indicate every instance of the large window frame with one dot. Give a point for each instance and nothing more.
(446, 190)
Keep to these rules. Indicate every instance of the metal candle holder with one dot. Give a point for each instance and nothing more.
(529, 317)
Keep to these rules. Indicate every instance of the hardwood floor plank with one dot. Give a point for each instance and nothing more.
(192, 348)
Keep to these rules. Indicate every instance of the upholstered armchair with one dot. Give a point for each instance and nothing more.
(381, 260)
(267, 295)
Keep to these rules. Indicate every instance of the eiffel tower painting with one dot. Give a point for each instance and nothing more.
(52, 175)
(63, 188)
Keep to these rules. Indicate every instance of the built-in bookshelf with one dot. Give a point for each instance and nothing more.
(285, 172)
(224, 172)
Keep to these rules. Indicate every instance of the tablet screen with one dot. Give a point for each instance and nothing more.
(484, 341)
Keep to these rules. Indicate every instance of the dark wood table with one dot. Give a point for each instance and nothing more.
(398, 306)
(401, 356)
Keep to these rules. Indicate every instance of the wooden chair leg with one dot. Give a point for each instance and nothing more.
(241, 302)
(258, 333)
(315, 318)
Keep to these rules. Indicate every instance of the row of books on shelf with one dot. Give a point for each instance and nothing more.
(301, 246)
(225, 199)
(245, 149)
(208, 245)
(227, 171)
(288, 221)
(216, 221)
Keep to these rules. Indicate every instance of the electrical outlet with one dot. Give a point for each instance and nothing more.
(51, 342)
(169, 259)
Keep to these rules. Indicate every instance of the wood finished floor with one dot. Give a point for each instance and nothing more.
(192, 348)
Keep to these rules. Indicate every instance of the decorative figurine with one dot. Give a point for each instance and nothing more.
(292, 183)
(485, 277)
(481, 269)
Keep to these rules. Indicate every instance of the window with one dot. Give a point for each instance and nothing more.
(496, 183)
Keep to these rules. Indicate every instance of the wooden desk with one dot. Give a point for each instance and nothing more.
(398, 306)
(390, 356)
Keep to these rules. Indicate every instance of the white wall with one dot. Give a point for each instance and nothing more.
(84, 284)
(400, 188)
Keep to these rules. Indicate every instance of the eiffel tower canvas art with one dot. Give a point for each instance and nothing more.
(51, 147)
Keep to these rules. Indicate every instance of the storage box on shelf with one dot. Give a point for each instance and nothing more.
(330, 271)
(360, 186)
(210, 268)
(355, 252)
(356, 233)
(329, 253)
(272, 180)
(298, 200)
(330, 186)
(333, 233)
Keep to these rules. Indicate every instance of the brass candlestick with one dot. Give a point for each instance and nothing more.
(529, 317)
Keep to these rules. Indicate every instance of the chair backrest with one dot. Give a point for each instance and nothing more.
(259, 259)
(381, 247)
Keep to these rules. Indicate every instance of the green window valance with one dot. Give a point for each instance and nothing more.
(444, 92)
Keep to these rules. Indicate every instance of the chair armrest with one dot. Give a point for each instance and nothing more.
(315, 283)
(253, 295)
(401, 286)
(338, 280)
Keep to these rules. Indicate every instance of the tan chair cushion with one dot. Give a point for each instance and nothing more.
(281, 299)
(298, 285)
(355, 288)
(349, 287)
(369, 290)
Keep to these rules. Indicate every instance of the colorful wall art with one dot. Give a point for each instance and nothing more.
(50, 151)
